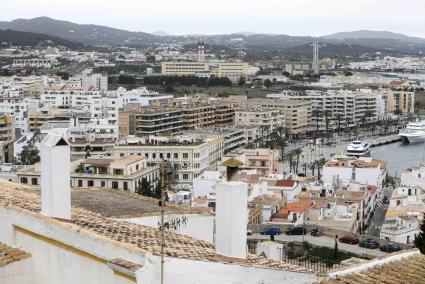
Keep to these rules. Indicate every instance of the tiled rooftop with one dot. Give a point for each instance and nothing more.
(18, 197)
(9, 255)
(406, 270)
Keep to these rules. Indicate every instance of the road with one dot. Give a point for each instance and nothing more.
(323, 241)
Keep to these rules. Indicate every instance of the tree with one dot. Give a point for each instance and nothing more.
(144, 188)
(278, 140)
(339, 118)
(28, 156)
(268, 83)
(316, 114)
(80, 168)
(241, 81)
(327, 115)
(307, 246)
(420, 238)
(297, 153)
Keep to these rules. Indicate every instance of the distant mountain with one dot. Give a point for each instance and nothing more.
(267, 44)
(332, 50)
(18, 38)
(89, 34)
(367, 34)
(161, 33)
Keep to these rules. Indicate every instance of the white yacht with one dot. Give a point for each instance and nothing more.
(414, 132)
(358, 148)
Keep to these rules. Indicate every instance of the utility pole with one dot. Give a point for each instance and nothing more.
(162, 221)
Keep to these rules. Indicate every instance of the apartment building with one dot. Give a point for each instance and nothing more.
(14, 106)
(233, 137)
(84, 147)
(231, 70)
(173, 118)
(89, 80)
(119, 173)
(7, 137)
(187, 157)
(398, 101)
(297, 113)
(351, 106)
(145, 121)
(39, 116)
(262, 117)
(182, 68)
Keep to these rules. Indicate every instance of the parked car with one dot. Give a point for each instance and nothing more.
(249, 233)
(349, 239)
(390, 247)
(369, 243)
(316, 232)
(270, 231)
(298, 230)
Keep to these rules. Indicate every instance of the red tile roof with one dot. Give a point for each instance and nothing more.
(286, 182)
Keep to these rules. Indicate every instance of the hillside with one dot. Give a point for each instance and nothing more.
(89, 34)
(18, 38)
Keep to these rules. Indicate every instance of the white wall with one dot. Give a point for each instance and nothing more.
(196, 272)
(231, 219)
(197, 226)
(53, 263)
(331, 173)
(19, 272)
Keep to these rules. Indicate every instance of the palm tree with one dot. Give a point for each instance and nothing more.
(312, 167)
(316, 114)
(328, 117)
(320, 164)
(297, 152)
(339, 118)
(279, 141)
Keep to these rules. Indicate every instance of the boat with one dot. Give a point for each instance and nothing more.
(358, 148)
(414, 132)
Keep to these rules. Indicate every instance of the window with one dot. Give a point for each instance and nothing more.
(24, 180)
(161, 155)
(185, 155)
(153, 156)
(147, 155)
(115, 185)
(90, 183)
(176, 156)
(185, 176)
(125, 184)
(168, 156)
(80, 183)
(102, 183)
(176, 176)
(137, 167)
(34, 181)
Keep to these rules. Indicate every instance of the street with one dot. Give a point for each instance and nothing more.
(323, 241)
(379, 215)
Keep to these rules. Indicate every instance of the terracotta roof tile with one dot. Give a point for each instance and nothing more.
(9, 255)
(18, 197)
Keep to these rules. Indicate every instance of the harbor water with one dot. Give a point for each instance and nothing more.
(400, 156)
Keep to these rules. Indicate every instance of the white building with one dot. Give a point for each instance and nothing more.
(141, 96)
(106, 250)
(13, 104)
(364, 170)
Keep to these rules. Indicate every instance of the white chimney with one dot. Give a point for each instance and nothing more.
(55, 177)
(231, 219)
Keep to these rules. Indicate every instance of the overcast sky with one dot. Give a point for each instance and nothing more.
(294, 17)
